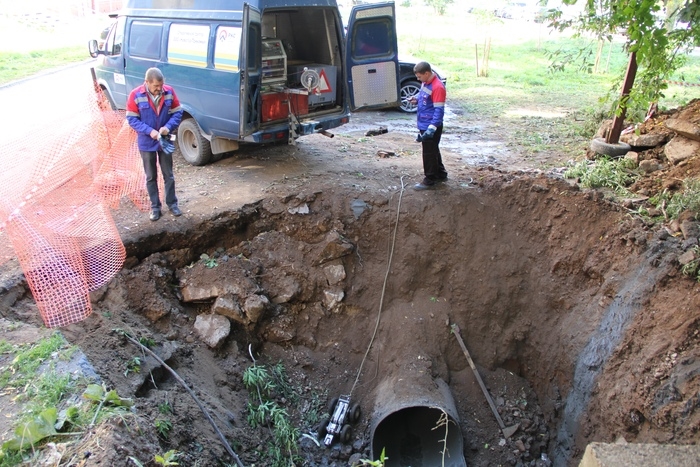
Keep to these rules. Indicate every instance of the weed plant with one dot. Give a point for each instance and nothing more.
(605, 172)
(44, 395)
(264, 411)
(692, 269)
(688, 199)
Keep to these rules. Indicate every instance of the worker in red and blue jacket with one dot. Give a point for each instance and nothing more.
(431, 110)
(154, 111)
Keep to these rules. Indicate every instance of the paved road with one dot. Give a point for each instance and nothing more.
(28, 104)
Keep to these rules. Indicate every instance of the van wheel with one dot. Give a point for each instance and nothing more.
(194, 147)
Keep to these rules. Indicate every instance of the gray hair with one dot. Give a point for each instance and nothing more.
(154, 74)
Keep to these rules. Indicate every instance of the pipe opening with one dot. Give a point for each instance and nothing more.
(415, 437)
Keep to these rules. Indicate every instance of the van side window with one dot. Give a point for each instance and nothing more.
(113, 45)
(371, 39)
(144, 40)
(254, 47)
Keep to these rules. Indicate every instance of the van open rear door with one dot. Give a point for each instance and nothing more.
(250, 71)
(371, 58)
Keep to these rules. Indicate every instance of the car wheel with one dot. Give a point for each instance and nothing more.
(194, 147)
(409, 89)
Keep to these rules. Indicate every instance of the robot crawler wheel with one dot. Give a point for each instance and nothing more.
(323, 427)
(345, 434)
(354, 413)
(331, 405)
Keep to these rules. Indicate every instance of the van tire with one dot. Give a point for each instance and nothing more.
(194, 147)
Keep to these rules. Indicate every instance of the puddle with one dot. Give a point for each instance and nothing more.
(464, 138)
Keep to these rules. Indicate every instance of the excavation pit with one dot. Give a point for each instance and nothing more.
(549, 285)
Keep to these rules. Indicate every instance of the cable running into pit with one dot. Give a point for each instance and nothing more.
(386, 278)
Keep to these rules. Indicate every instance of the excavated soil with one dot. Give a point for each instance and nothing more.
(573, 309)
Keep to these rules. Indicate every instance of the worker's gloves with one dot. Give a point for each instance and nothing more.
(166, 145)
(429, 133)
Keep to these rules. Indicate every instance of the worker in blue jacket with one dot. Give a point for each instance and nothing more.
(154, 111)
(430, 112)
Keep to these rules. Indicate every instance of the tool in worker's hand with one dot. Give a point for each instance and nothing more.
(507, 431)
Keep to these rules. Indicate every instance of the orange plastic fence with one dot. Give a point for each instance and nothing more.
(54, 205)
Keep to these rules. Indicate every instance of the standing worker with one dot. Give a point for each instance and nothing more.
(153, 110)
(431, 110)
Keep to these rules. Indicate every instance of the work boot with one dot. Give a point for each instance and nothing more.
(155, 215)
(175, 210)
(426, 184)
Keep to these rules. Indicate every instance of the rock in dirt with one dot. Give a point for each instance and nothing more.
(690, 229)
(650, 165)
(199, 293)
(335, 273)
(288, 288)
(684, 128)
(686, 257)
(212, 329)
(332, 298)
(648, 140)
(254, 307)
(681, 148)
(227, 305)
(336, 247)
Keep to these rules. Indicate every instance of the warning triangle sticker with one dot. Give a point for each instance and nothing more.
(323, 85)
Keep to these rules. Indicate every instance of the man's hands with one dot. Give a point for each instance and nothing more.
(155, 134)
(427, 134)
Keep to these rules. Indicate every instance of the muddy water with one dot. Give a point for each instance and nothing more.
(463, 137)
(635, 287)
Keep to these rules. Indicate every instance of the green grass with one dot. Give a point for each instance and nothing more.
(42, 391)
(18, 65)
(539, 106)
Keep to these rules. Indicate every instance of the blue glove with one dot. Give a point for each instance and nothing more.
(166, 145)
(429, 133)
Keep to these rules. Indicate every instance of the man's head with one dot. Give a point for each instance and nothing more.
(154, 81)
(423, 71)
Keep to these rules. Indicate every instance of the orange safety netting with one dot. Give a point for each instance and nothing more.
(54, 204)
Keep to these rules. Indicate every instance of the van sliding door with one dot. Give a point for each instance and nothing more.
(251, 71)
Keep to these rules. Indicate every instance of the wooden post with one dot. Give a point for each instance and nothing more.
(476, 51)
(618, 120)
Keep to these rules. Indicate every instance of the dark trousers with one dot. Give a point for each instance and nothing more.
(432, 159)
(150, 159)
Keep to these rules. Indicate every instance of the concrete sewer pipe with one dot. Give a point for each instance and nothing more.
(409, 422)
